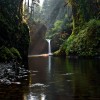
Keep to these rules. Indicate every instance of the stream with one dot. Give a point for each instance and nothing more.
(56, 78)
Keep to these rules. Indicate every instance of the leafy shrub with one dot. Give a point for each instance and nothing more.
(55, 30)
(57, 26)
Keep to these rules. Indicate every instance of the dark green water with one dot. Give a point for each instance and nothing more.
(54, 78)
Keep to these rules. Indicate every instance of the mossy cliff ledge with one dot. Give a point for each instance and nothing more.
(14, 32)
(85, 37)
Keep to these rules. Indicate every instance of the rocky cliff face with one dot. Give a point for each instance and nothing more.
(14, 32)
(38, 44)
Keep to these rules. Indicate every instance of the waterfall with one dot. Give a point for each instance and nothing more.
(49, 46)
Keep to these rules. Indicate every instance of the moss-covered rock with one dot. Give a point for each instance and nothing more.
(14, 31)
(7, 54)
(15, 53)
(86, 42)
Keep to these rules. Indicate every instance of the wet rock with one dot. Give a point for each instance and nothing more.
(16, 83)
(8, 74)
(5, 81)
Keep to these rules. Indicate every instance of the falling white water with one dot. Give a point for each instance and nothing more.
(49, 46)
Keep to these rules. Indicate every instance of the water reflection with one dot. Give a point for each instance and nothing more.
(49, 63)
(74, 79)
(41, 96)
(13, 92)
(54, 78)
(39, 82)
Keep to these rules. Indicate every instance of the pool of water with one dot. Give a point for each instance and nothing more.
(56, 78)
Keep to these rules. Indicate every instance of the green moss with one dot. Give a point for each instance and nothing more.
(15, 52)
(8, 54)
(85, 37)
(5, 53)
(59, 53)
(86, 42)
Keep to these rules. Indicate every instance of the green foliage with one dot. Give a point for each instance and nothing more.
(85, 37)
(15, 52)
(84, 10)
(8, 54)
(67, 25)
(5, 53)
(55, 30)
(86, 42)
(57, 26)
(61, 26)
